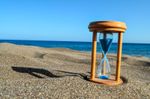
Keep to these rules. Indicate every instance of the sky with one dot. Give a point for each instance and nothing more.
(68, 20)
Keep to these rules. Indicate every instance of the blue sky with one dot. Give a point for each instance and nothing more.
(67, 20)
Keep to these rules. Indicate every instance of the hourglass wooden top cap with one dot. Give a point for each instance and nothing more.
(107, 26)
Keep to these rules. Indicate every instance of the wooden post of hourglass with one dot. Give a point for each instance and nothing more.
(104, 27)
(93, 59)
(119, 55)
(104, 65)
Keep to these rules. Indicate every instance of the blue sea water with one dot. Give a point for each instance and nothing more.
(133, 49)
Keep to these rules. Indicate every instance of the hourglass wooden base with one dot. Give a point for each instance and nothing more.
(111, 81)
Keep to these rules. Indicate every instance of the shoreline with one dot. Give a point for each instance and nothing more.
(146, 54)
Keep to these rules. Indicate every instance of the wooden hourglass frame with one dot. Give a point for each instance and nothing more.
(107, 27)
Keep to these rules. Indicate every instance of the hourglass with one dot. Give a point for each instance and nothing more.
(106, 29)
(105, 40)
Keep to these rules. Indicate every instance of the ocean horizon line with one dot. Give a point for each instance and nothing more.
(68, 41)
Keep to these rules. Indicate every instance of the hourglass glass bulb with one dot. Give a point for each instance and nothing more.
(105, 40)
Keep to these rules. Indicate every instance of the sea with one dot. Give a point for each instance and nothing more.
(133, 49)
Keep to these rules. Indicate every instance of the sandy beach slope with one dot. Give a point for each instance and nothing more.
(56, 73)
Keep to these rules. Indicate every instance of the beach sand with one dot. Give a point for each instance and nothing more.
(56, 73)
